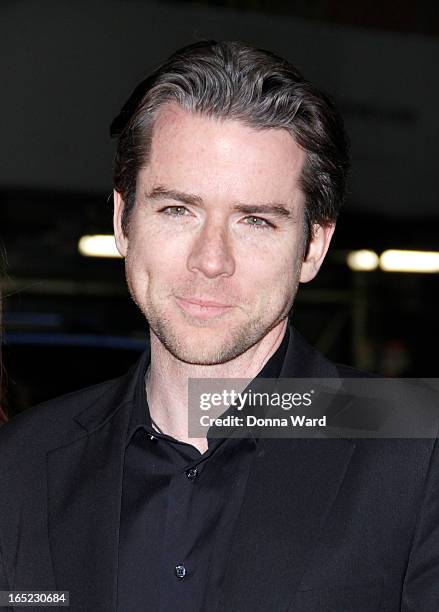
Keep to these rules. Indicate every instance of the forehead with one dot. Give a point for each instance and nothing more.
(190, 150)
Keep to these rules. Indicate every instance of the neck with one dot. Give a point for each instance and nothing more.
(168, 402)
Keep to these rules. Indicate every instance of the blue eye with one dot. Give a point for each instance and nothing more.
(175, 211)
(258, 222)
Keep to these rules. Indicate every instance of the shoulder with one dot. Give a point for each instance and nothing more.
(46, 425)
(345, 371)
(74, 412)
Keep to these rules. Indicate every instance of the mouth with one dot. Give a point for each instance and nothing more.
(202, 309)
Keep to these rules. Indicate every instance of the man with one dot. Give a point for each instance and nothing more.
(229, 173)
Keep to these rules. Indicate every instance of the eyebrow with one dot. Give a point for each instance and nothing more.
(162, 193)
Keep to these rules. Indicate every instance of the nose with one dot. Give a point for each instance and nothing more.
(211, 252)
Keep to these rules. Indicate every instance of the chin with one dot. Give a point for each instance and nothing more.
(195, 358)
(201, 349)
(207, 345)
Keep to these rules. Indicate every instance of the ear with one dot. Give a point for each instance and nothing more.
(319, 243)
(119, 237)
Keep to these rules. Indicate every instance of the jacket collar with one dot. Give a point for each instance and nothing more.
(304, 361)
(121, 392)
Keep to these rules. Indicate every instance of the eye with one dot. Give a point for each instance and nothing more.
(258, 222)
(175, 211)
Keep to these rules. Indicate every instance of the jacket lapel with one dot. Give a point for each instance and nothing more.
(85, 489)
(291, 488)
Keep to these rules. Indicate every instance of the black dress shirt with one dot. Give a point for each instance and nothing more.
(179, 508)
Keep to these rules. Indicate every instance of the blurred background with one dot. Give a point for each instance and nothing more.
(66, 69)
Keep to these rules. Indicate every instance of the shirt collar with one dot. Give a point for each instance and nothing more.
(140, 415)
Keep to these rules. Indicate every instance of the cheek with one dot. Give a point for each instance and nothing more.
(271, 271)
(154, 273)
(154, 252)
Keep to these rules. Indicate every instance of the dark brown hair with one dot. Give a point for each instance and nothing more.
(232, 80)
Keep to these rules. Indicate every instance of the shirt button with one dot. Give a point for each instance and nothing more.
(191, 473)
(180, 571)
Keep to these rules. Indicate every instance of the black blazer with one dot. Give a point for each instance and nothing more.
(334, 525)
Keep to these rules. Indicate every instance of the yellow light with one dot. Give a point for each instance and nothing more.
(409, 261)
(99, 245)
(363, 260)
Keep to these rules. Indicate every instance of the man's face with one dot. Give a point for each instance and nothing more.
(214, 252)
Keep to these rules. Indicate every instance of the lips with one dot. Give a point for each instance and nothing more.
(205, 303)
(202, 308)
